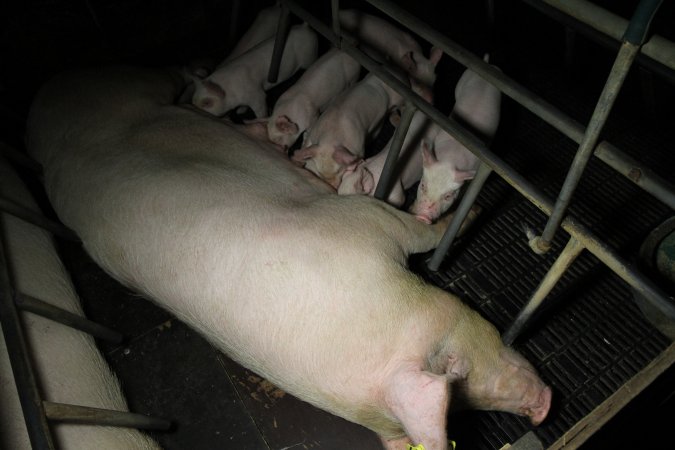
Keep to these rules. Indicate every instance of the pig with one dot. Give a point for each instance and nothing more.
(408, 170)
(243, 80)
(298, 108)
(448, 164)
(68, 367)
(263, 27)
(336, 142)
(384, 41)
(306, 288)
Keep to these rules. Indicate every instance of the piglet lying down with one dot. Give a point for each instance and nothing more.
(306, 288)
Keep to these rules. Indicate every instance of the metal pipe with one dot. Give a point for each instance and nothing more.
(628, 273)
(384, 184)
(44, 309)
(602, 109)
(657, 48)
(85, 415)
(20, 158)
(234, 22)
(30, 216)
(283, 28)
(462, 210)
(532, 102)
(17, 350)
(335, 16)
(565, 259)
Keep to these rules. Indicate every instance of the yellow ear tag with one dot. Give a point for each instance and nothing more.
(415, 447)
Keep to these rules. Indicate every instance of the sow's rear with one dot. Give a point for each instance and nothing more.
(304, 287)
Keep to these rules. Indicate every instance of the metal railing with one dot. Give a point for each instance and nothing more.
(581, 237)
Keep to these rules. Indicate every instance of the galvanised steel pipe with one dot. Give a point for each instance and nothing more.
(283, 28)
(17, 350)
(604, 106)
(463, 209)
(85, 415)
(607, 255)
(532, 102)
(561, 264)
(384, 184)
(34, 218)
(44, 309)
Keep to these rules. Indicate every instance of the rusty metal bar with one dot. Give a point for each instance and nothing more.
(30, 216)
(463, 209)
(532, 102)
(24, 377)
(85, 415)
(606, 254)
(279, 43)
(565, 259)
(44, 309)
(384, 184)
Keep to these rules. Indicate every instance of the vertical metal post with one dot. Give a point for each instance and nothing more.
(384, 185)
(335, 16)
(633, 39)
(565, 259)
(234, 21)
(279, 42)
(24, 377)
(462, 210)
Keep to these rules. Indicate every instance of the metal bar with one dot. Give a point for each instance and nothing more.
(602, 109)
(657, 48)
(235, 17)
(30, 216)
(279, 43)
(17, 350)
(44, 309)
(335, 16)
(384, 184)
(626, 271)
(593, 421)
(20, 158)
(462, 210)
(532, 102)
(85, 415)
(529, 441)
(565, 259)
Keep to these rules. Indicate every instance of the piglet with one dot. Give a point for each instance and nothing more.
(243, 80)
(68, 366)
(449, 164)
(383, 41)
(337, 140)
(363, 179)
(298, 108)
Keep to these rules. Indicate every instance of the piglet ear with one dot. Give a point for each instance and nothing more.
(428, 155)
(304, 154)
(464, 175)
(419, 400)
(343, 156)
(435, 55)
(408, 62)
(367, 181)
(286, 126)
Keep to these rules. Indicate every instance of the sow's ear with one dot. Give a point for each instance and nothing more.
(419, 400)
(286, 126)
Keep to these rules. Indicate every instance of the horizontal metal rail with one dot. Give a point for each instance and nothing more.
(606, 254)
(85, 415)
(44, 309)
(30, 216)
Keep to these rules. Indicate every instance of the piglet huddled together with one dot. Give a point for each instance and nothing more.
(184, 207)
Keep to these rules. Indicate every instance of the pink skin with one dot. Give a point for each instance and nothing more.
(243, 80)
(298, 108)
(337, 140)
(448, 164)
(385, 41)
(178, 229)
(363, 179)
